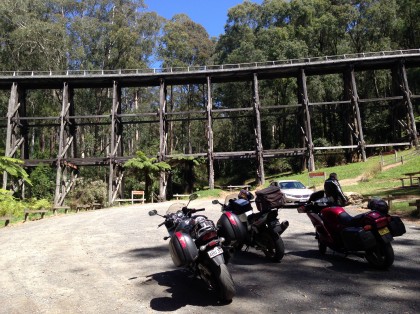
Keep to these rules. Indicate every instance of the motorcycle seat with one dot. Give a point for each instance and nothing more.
(351, 221)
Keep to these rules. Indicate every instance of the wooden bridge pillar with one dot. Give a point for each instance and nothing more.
(209, 134)
(17, 129)
(116, 148)
(306, 117)
(402, 82)
(163, 135)
(66, 148)
(351, 93)
(257, 131)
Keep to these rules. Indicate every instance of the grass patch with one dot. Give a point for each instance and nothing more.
(367, 179)
(209, 193)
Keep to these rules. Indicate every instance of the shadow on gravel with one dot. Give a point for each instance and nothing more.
(185, 289)
(150, 252)
(250, 257)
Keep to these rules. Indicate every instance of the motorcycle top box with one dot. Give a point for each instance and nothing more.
(231, 228)
(240, 206)
(182, 248)
(269, 198)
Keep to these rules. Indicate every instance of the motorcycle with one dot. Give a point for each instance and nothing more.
(195, 244)
(261, 230)
(367, 235)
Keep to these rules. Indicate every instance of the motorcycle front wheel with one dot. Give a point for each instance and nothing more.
(381, 256)
(224, 283)
(273, 248)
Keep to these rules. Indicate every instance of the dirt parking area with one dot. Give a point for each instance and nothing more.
(115, 260)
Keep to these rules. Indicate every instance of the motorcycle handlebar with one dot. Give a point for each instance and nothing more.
(187, 211)
(161, 224)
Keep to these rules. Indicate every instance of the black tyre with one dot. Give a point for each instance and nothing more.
(381, 256)
(224, 283)
(321, 246)
(274, 248)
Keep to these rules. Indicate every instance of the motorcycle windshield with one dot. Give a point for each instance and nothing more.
(232, 196)
(175, 207)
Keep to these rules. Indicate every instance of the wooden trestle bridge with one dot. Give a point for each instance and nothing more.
(67, 160)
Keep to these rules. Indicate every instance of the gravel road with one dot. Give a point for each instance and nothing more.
(115, 260)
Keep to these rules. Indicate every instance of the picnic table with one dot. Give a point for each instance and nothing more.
(238, 187)
(411, 175)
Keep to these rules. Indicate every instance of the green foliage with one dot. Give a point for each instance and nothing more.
(9, 205)
(184, 43)
(13, 167)
(38, 204)
(88, 192)
(43, 182)
(142, 163)
(148, 168)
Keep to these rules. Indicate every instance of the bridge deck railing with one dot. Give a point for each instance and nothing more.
(364, 55)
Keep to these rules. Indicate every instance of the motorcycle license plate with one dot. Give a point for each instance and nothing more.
(383, 231)
(214, 252)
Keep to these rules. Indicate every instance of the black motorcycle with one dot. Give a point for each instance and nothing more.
(262, 229)
(195, 244)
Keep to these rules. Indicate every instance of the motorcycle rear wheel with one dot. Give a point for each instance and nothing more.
(224, 283)
(322, 247)
(274, 248)
(381, 256)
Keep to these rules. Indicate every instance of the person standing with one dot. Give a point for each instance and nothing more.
(333, 191)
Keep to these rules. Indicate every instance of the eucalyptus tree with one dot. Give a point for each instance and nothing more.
(33, 35)
(185, 43)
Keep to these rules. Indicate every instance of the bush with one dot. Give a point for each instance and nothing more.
(37, 204)
(43, 182)
(87, 192)
(9, 205)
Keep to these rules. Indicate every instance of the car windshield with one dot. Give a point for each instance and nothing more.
(291, 185)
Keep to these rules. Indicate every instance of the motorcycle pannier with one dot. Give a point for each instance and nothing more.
(357, 239)
(396, 226)
(231, 228)
(182, 248)
(269, 198)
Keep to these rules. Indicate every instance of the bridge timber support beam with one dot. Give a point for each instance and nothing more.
(163, 136)
(17, 131)
(209, 134)
(351, 93)
(257, 131)
(306, 118)
(66, 172)
(402, 82)
(116, 173)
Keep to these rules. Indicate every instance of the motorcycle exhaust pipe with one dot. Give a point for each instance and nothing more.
(284, 224)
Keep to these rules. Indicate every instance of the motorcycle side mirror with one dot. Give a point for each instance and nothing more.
(152, 212)
(215, 202)
(193, 196)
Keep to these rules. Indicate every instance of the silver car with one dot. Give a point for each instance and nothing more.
(295, 192)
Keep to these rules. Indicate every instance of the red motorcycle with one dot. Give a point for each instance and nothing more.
(368, 234)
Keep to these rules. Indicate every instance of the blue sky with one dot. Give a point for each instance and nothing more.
(211, 14)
